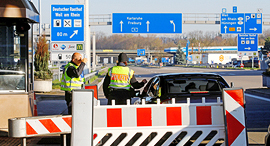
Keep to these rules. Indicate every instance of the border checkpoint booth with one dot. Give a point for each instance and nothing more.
(16, 60)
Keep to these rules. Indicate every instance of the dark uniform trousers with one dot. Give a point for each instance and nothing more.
(68, 98)
(119, 95)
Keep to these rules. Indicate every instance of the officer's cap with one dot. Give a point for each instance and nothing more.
(122, 57)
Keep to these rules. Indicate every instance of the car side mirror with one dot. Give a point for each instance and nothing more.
(232, 84)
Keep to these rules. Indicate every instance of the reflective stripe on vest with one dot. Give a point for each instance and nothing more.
(67, 83)
(120, 77)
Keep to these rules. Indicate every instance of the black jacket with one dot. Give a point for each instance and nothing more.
(72, 72)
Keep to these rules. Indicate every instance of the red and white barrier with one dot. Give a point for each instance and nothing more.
(158, 115)
(235, 117)
(49, 125)
(152, 124)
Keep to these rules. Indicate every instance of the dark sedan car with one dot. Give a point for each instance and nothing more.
(184, 85)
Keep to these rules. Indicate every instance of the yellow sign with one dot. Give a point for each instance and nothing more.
(79, 46)
(107, 50)
(231, 28)
(221, 58)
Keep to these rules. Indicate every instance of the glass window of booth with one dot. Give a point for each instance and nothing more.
(15, 59)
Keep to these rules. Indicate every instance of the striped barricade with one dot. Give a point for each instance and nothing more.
(159, 124)
(235, 120)
(153, 124)
(40, 125)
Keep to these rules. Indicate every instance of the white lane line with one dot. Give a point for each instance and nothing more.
(258, 97)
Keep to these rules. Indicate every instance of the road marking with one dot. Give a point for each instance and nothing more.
(258, 97)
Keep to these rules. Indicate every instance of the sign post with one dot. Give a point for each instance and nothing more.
(247, 44)
(140, 52)
(67, 31)
(241, 23)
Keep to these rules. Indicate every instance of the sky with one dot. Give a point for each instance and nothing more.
(160, 6)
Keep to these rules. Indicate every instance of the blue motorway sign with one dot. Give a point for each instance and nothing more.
(253, 23)
(147, 23)
(140, 52)
(247, 42)
(240, 23)
(67, 22)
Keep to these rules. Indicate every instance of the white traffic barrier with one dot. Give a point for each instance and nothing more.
(159, 124)
(146, 124)
(235, 122)
(82, 120)
(181, 123)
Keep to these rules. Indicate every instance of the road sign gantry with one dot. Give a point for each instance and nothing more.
(241, 23)
(156, 23)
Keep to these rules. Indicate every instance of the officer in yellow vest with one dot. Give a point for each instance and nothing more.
(73, 77)
(119, 80)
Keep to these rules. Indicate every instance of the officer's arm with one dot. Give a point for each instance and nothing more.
(106, 84)
(135, 84)
(75, 73)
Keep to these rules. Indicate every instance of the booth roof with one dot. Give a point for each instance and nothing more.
(18, 9)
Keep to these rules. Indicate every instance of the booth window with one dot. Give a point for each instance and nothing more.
(13, 60)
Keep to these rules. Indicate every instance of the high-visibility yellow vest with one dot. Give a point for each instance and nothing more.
(120, 77)
(67, 83)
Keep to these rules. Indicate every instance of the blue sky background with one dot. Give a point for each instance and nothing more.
(179, 6)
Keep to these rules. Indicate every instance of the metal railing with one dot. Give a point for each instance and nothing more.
(58, 75)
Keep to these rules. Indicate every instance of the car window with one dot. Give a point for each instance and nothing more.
(196, 84)
(154, 87)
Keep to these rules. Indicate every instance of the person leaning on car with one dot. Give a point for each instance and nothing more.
(119, 81)
(73, 77)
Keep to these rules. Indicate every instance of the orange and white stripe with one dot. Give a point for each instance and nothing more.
(48, 126)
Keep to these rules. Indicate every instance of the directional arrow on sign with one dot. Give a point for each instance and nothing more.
(75, 32)
(147, 25)
(121, 22)
(173, 25)
(225, 27)
(253, 29)
(248, 48)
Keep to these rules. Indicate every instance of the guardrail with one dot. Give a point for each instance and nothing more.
(88, 76)
(58, 75)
